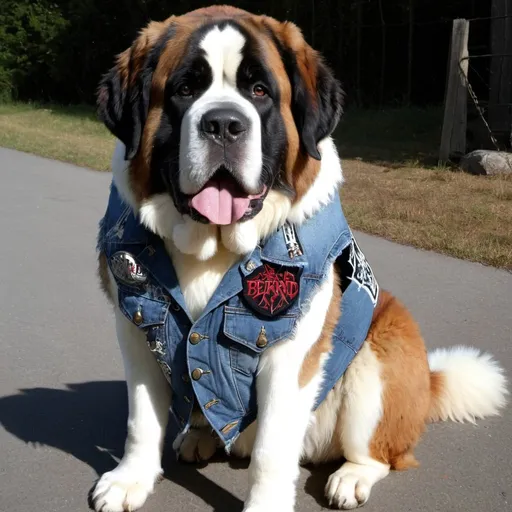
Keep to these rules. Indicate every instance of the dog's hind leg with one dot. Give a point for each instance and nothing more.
(386, 399)
(129, 484)
(201, 442)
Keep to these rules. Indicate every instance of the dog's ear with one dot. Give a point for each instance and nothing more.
(317, 97)
(124, 92)
(317, 109)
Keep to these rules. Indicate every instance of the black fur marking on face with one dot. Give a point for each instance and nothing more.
(193, 70)
(253, 71)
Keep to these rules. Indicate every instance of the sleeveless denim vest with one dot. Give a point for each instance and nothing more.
(213, 361)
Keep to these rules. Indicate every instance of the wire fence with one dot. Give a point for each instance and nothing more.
(489, 86)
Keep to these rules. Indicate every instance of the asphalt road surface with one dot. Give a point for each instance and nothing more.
(63, 405)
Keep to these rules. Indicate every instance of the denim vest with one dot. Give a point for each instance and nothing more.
(213, 361)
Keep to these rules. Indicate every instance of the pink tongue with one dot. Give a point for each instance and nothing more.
(220, 202)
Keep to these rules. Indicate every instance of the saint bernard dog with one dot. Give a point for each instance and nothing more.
(236, 283)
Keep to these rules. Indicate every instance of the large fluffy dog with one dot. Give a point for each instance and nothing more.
(234, 276)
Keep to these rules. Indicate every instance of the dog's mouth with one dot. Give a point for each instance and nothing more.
(223, 200)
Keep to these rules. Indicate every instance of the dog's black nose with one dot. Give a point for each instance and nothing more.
(224, 125)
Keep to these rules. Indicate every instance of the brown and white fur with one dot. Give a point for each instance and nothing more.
(376, 413)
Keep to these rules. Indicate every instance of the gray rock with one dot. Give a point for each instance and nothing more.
(489, 163)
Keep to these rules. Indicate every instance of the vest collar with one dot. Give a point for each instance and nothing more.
(320, 233)
(276, 250)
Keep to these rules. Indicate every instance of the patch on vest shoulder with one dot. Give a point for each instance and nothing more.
(269, 291)
(362, 273)
(290, 238)
(125, 268)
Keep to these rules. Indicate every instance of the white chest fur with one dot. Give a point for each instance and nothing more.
(199, 279)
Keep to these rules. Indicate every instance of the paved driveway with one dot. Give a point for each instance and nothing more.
(63, 404)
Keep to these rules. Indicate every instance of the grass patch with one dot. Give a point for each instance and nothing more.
(70, 134)
(392, 189)
(465, 216)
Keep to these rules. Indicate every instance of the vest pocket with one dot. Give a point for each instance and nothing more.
(243, 360)
(256, 333)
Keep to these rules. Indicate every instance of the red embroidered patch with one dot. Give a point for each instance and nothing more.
(270, 292)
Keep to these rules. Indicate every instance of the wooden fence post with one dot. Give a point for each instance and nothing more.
(453, 138)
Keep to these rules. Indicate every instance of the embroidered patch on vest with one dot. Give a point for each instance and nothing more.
(126, 269)
(271, 292)
(362, 273)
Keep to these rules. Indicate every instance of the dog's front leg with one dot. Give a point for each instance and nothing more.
(284, 412)
(129, 484)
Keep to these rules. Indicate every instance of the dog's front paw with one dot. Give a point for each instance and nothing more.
(124, 489)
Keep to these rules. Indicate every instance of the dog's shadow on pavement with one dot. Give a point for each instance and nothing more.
(88, 421)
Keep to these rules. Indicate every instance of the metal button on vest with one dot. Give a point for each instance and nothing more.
(137, 318)
(195, 338)
(197, 373)
(250, 266)
(262, 340)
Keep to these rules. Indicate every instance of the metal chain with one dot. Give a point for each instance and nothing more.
(478, 107)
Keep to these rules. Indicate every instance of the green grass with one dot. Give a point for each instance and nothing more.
(393, 188)
(71, 134)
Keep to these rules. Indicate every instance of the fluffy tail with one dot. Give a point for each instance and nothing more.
(466, 384)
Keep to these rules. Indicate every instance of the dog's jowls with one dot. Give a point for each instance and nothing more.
(224, 121)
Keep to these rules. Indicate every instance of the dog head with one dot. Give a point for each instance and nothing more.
(223, 119)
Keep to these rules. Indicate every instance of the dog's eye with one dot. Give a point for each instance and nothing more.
(184, 90)
(259, 90)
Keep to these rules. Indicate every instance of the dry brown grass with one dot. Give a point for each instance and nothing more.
(454, 213)
(465, 216)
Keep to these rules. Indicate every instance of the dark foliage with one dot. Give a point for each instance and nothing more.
(57, 50)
